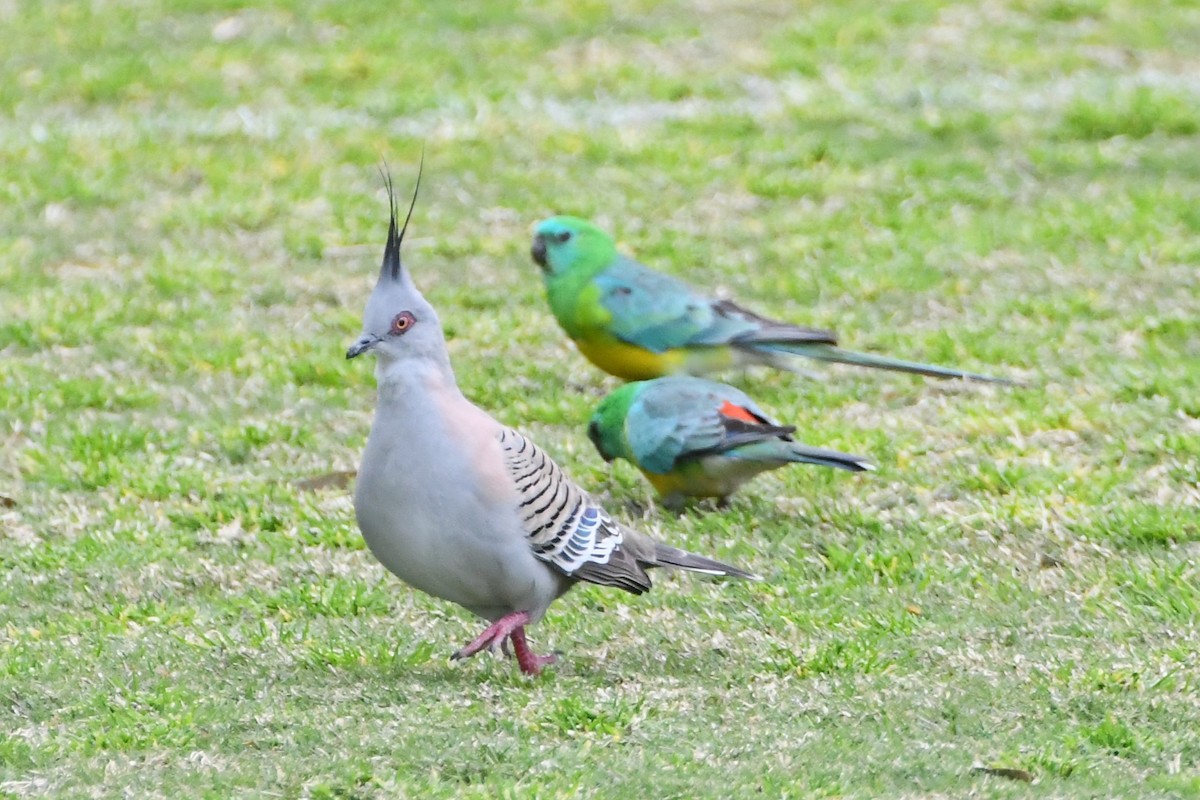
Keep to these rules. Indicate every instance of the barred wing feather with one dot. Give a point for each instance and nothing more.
(564, 526)
(566, 529)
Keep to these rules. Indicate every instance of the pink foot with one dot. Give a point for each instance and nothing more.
(494, 634)
(529, 662)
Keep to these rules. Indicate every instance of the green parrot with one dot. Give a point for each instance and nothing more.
(693, 437)
(635, 323)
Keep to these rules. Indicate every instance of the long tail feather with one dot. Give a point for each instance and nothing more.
(667, 556)
(824, 352)
(778, 451)
(804, 454)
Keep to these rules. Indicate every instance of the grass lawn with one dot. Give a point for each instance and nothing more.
(191, 219)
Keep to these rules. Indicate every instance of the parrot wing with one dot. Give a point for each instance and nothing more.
(683, 418)
(660, 313)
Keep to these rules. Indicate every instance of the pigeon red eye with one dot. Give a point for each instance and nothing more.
(403, 321)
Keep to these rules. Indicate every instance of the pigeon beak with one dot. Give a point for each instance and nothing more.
(538, 252)
(362, 345)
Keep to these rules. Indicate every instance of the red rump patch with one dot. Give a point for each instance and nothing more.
(728, 409)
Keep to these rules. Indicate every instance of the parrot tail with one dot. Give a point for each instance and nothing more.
(803, 454)
(667, 556)
(827, 352)
(776, 452)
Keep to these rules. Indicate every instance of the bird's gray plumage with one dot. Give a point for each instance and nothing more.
(464, 508)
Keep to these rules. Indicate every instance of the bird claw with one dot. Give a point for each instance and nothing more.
(508, 629)
(529, 662)
(493, 634)
(532, 665)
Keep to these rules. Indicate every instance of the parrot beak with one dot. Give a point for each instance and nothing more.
(538, 251)
(362, 345)
(593, 432)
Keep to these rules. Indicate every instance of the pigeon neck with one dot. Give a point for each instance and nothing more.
(398, 378)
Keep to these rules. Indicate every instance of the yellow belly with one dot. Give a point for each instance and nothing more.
(632, 363)
(711, 476)
(674, 483)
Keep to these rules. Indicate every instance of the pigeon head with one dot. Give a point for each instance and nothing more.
(399, 323)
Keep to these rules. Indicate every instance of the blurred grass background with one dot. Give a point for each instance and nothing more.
(191, 218)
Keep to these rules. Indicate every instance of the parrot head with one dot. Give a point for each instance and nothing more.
(606, 428)
(398, 322)
(570, 244)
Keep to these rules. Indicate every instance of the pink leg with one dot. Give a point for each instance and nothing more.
(495, 633)
(529, 662)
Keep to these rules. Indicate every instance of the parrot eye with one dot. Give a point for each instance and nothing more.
(562, 236)
(403, 321)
